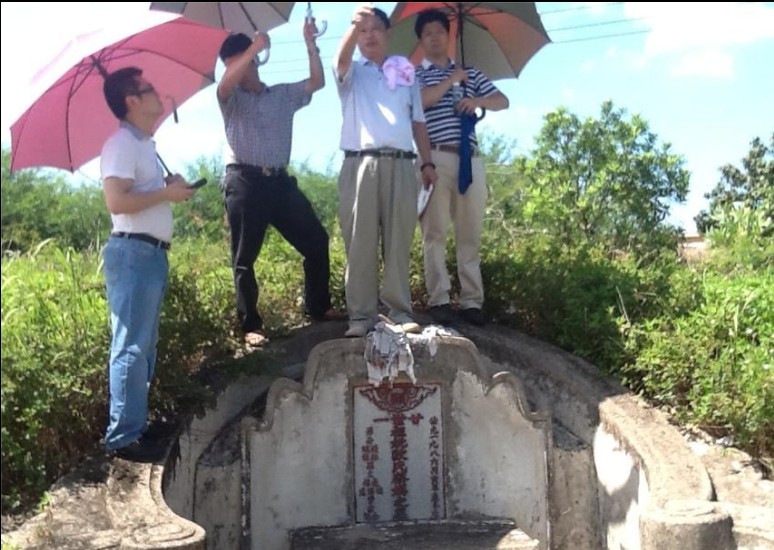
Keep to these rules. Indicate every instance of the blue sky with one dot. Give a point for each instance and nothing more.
(700, 74)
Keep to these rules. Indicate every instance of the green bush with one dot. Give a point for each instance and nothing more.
(54, 341)
(713, 365)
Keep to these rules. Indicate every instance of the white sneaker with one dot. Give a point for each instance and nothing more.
(411, 327)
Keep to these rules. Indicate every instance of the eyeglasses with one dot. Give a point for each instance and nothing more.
(143, 91)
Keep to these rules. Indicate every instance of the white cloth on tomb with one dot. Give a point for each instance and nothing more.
(388, 353)
(430, 336)
(388, 350)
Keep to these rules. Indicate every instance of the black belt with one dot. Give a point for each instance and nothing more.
(384, 153)
(266, 171)
(144, 237)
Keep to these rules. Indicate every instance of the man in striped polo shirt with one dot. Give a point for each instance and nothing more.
(440, 79)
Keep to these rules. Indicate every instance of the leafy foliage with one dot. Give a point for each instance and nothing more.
(740, 220)
(605, 182)
(37, 206)
(713, 365)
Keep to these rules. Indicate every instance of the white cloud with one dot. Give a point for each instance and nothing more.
(683, 26)
(569, 95)
(699, 35)
(634, 59)
(713, 63)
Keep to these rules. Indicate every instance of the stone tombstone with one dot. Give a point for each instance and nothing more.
(459, 444)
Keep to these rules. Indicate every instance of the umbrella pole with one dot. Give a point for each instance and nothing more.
(460, 20)
(163, 164)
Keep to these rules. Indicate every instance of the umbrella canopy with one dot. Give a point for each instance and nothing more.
(69, 121)
(245, 17)
(498, 38)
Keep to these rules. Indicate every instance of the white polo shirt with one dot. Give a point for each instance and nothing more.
(375, 117)
(130, 154)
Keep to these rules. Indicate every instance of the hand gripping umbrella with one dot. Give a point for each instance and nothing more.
(244, 17)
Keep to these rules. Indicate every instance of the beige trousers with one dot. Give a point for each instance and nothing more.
(466, 212)
(378, 201)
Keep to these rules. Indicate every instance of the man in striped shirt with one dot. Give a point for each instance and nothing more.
(441, 79)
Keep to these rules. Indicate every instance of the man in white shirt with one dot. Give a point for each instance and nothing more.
(135, 257)
(382, 118)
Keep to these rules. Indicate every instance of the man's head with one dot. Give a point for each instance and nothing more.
(125, 89)
(430, 16)
(432, 28)
(234, 44)
(372, 39)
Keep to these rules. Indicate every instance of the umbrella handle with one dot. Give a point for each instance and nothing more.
(324, 25)
(310, 18)
(259, 61)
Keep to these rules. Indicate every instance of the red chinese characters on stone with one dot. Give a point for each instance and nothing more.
(398, 401)
(370, 487)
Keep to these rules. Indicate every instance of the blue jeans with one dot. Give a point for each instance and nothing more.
(136, 280)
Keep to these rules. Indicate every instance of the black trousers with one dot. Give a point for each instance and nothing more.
(255, 200)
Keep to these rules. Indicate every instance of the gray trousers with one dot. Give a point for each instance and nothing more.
(378, 201)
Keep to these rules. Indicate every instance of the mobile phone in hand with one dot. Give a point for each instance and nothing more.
(198, 183)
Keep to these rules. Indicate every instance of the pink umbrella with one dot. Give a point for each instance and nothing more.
(69, 121)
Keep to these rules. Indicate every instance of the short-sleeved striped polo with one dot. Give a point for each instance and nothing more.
(443, 124)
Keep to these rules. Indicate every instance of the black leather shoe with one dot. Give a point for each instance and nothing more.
(142, 450)
(443, 314)
(474, 316)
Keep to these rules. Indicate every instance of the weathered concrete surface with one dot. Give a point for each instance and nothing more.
(301, 470)
(77, 516)
(686, 524)
(624, 430)
(741, 491)
(444, 535)
(109, 504)
(575, 521)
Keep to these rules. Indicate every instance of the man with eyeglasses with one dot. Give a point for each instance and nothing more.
(135, 257)
(258, 189)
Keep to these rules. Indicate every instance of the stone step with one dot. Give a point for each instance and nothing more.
(439, 535)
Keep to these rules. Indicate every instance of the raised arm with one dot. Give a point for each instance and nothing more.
(316, 79)
(238, 65)
(343, 60)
